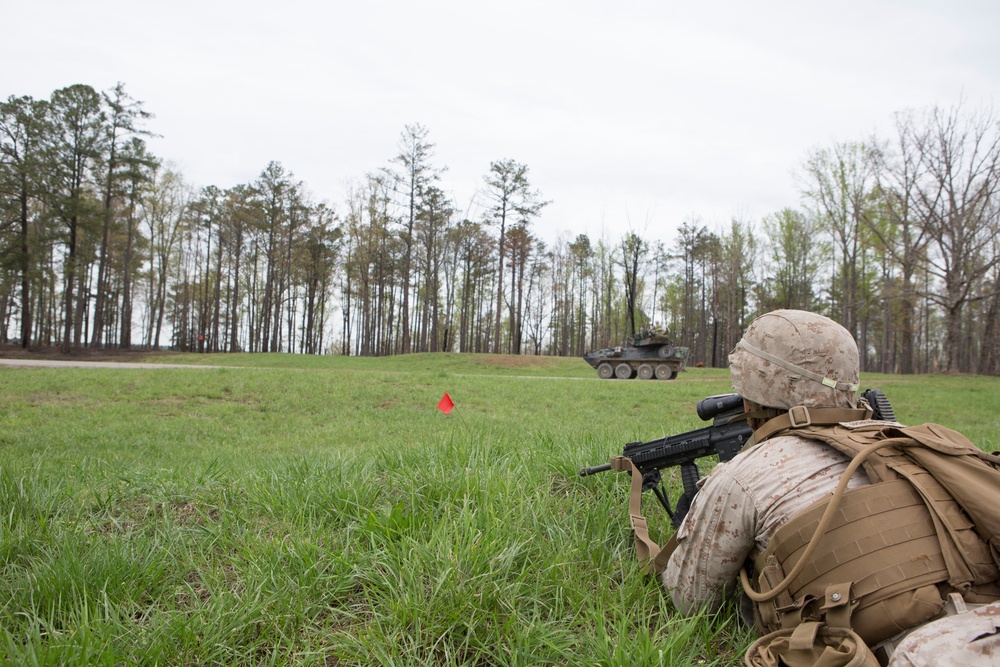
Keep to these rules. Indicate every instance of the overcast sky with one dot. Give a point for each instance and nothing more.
(630, 115)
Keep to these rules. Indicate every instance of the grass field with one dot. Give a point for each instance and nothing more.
(301, 510)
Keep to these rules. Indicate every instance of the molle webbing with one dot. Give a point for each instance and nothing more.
(921, 529)
(872, 542)
(966, 552)
(967, 556)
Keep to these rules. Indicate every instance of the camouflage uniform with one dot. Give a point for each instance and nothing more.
(785, 359)
(969, 639)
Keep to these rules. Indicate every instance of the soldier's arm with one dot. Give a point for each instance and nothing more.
(713, 542)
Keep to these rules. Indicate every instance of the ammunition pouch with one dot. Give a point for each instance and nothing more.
(810, 645)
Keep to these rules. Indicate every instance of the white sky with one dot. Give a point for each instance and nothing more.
(636, 114)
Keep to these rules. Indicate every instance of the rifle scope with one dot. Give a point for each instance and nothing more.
(713, 406)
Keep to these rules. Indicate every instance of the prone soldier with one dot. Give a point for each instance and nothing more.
(826, 520)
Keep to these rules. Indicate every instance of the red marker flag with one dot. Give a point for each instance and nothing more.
(446, 404)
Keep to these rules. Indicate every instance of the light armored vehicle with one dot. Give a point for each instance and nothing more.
(646, 356)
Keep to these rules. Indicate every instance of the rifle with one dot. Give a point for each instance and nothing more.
(725, 438)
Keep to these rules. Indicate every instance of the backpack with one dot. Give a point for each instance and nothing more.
(882, 558)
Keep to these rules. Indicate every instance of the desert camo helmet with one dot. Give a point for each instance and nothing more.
(788, 358)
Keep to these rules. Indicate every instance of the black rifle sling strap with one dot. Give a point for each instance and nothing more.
(652, 558)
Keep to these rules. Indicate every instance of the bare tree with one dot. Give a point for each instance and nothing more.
(840, 183)
(899, 171)
(317, 263)
(536, 309)
(139, 170)
(166, 213)
(581, 254)
(957, 209)
(989, 359)
(520, 245)
(691, 243)
(474, 259)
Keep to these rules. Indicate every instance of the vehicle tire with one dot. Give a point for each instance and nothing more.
(623, 372)
(665, 351)
(605, 371)
(663, 372)
(673, 376)
(645, 372)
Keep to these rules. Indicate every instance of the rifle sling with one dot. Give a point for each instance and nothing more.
(652, 558)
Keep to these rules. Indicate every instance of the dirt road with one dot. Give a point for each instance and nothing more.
(70, 363)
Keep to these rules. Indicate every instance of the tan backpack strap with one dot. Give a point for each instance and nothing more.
(817, 536)
(800, 416)
(652, 558)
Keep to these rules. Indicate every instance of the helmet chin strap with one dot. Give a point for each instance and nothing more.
(762, 413)
(757, 415)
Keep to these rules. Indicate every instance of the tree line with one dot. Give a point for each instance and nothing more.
(103, 244)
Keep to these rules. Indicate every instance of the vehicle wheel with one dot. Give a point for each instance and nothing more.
(623, 372)
(665, 351)
(645, 372)
(673, 376)
(663, 372)
(605, 371)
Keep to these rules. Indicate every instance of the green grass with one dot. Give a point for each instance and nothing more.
(302, 510)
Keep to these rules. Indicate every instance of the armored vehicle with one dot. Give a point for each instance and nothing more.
(646, 356)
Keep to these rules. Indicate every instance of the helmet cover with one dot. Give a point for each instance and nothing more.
(788, 358)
